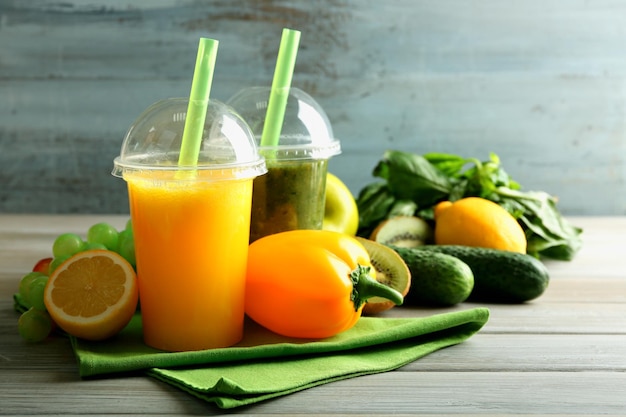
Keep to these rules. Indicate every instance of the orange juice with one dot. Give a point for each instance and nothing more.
(191, 245)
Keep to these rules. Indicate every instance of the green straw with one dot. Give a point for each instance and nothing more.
(198, 102)
(281, 84)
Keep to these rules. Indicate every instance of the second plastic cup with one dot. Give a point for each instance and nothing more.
(190, 224)
(292, 194)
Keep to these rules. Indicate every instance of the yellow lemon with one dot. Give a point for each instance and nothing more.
(475, 221)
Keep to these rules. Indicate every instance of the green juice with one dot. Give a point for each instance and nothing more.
(290, 196)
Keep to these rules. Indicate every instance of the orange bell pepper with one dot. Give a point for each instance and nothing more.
(310, 283)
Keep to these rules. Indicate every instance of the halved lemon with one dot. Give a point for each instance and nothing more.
(92, 295)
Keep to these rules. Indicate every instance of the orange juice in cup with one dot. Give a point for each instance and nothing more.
(190, 241)
(191, 225)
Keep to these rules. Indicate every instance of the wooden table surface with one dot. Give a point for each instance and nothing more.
(564, 353)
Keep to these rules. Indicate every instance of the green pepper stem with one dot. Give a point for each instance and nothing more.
(364, 286)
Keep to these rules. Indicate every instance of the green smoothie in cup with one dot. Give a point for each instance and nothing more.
(289, 196)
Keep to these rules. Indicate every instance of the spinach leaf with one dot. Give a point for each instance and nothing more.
(552, 235)
(448, 164)
(402, 208)
(412, 177)
(415, 183)
(374, 203)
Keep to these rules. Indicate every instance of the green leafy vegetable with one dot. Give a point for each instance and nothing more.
(414, 184)
(399, 171)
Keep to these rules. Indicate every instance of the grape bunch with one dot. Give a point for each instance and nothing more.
(35, 324)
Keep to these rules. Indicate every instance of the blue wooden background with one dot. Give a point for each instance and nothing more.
(539, 82)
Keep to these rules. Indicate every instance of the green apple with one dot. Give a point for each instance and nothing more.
(341, 213)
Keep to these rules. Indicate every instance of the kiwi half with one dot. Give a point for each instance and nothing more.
(403, 232)
(391, 270)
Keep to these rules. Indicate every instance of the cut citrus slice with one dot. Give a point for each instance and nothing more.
(92, 295)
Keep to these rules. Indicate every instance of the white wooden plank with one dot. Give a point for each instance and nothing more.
(562, 354)
(486, 352)
(589, 289)
(538, 317)
(140, 395)
(463, 393)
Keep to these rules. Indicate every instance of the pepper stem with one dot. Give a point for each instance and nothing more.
(364, 286)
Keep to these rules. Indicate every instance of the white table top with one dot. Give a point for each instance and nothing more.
(563, 353)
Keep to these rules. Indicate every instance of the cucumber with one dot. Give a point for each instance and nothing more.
(436, 278)
(499, 276)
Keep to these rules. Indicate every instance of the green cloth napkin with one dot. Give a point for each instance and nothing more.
(265, 365)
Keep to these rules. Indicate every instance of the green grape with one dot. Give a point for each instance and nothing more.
(127, 246)
(25, 287)
(129, 225)
(94, 245)
(36, 289)
(103, 233)
(34, 325)
(67, 244)
(56, 262)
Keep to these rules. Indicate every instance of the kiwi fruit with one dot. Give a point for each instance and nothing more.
(391, 270)
(403, 232)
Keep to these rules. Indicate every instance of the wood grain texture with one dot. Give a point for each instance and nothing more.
(541, 83)
(563, 354)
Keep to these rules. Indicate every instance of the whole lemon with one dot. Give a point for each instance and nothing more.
(475, 221)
